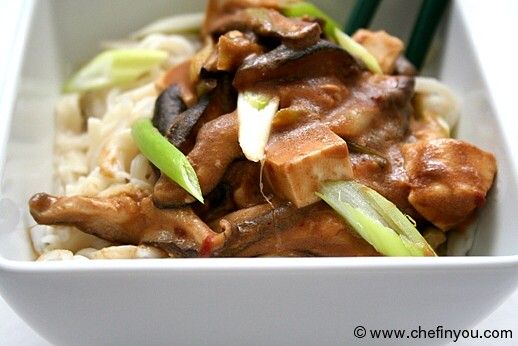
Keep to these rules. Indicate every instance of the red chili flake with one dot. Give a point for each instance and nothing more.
(206, 246)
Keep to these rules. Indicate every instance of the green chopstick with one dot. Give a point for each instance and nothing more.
(361, 15)
(424, 29)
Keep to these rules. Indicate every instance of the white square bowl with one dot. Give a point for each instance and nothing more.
(233, 301)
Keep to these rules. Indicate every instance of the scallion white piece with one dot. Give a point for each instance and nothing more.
(255, 114)
(180, 24)
(116, 67)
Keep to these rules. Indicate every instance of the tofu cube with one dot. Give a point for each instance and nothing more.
(299, 160)
(385, 48)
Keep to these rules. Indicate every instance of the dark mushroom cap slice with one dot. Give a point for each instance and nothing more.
(250, 225)
(270, 23)
(284, 62)
(182, 125)
(167, 107)
(312, 230)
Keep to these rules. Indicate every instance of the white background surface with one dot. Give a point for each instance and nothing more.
(13, 331)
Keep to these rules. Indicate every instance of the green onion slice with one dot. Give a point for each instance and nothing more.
(302, 8)
(376, 219)
(255, 113)
(357, 51)
(116, 67)
(333, 32)
(171, 161)
(256, 100)
(178, 24)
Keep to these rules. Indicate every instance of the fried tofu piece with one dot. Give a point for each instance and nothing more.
(449, 179)
(385, 48)
(299, 160)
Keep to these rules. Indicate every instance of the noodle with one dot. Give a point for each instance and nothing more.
(94, 153)
(438, 99)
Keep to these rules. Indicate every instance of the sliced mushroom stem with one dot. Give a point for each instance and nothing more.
(269, 23)
(216, 147)
(132, 220)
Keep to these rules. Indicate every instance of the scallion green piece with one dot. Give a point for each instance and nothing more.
(258, 101)
(333, 32)
(384, 239)
(302, 8)
(397, 220)
(376, 219)
(357, 51)
(116, 67)
(171, 161)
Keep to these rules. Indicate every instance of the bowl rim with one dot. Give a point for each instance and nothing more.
(356, 264)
